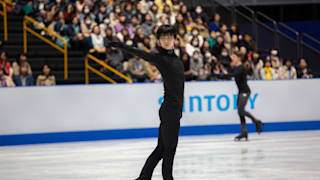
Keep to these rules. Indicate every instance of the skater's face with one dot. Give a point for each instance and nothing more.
(167, 42)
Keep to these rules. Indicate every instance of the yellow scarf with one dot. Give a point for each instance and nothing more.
(268, 73)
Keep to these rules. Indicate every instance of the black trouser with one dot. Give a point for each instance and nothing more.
(167, 143)
(241, 103)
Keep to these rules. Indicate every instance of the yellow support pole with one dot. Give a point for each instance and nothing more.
(5, 22)
(65, 59)
(24, 36)
(86, 70)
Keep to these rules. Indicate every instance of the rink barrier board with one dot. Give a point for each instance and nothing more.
(77, 136)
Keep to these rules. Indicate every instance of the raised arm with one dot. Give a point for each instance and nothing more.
(150, 57)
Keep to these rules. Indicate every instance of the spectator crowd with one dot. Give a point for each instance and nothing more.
(204, 44)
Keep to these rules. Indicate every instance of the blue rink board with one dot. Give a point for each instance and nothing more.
(61, 137)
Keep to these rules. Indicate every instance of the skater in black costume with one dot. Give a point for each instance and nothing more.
(172, 71)
(240, 75)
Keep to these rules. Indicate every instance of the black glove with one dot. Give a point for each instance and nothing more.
(116, 44)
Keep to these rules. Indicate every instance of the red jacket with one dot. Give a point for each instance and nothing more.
(6, 66)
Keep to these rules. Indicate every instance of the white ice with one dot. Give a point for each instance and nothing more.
(270, 156)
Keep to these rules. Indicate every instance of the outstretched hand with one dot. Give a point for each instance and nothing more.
(116, 44)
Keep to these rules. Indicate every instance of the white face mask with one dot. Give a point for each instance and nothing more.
(106, 21)
(129, 43)
(274, 52)
(195, 33)
(118, 10)
(208, 55)
(196, 56)
(224, 53)
(195, 43)
(198, 10)
(88, 22)
(86, 11)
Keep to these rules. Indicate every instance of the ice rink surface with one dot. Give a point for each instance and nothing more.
(270, 156)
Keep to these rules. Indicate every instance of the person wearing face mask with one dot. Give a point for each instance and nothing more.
(101, 14)
(224, 58)
(195, 32)
(194, 45)
(87, 26)
(198, 12)
(196, 64)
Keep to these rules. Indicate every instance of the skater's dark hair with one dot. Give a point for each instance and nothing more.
(166, 30)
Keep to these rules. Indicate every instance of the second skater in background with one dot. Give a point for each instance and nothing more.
(240, 75)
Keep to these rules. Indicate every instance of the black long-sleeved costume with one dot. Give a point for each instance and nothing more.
(172, 71)
(240, 75)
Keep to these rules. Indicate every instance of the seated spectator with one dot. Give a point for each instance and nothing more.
(123, 35)
(267, 73)
(28, 8)
(179, 21)
(5, 81)
(162, 3)
(23, 78)
(128, 12)
(87, 26)
(137, 69)
(195, 32)
(257, 65)
(69, 14)
(193, 46)
(303, 71)
(153, 38)
(21, 61)
(224, 58)
(204, 32)
(138, 37)
(206, 50)
(101, 14)
(5, 64)
(76, 36)
(248, 43)
(148, 25)
(216, 50)
(196, 64)
(234, 30)
(163, 20)
(123, 24)
(182, 36)
(234, 44)
(215, 22)
(287, 71)
(199, 13)
(186, 15)
(225, 34)
(186, 63)
(171, 17)
(97, 42)
(115, 58)
(110, 36)
(46, 78)
(135, 23)
(212, 39)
